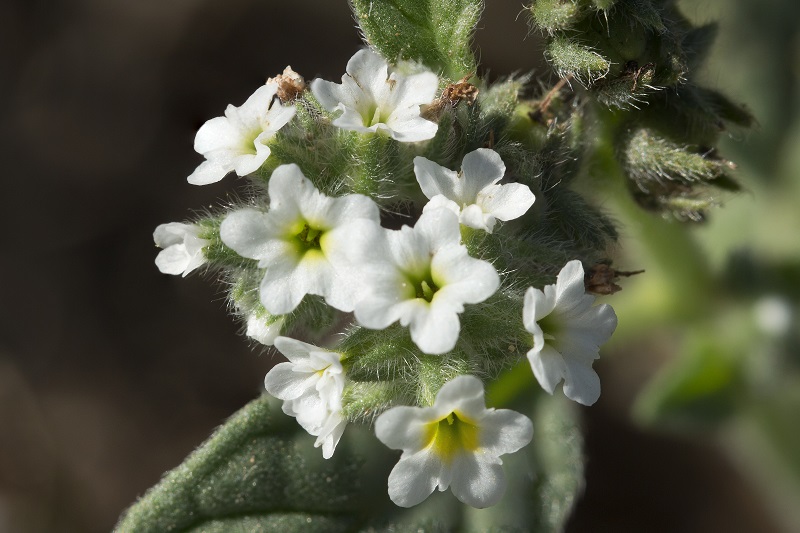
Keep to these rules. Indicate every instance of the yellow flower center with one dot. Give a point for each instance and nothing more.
(452, 436)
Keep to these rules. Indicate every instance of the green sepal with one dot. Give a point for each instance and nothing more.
(436, 33)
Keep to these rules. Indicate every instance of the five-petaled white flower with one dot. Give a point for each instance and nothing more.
(373, 100)
(311, 386)
(264, 329)
(567, 334)
(182, 248)
(238, 141)
(421, 276)
(456, 443)
(473, 194)
(295, 239)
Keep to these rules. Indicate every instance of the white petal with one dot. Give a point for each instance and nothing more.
(548, 366)
(462, 393)
(208, 172)
(505, 431)
(478, 481)
(371, 71)
(463, 277)
(278, 116)
(294, 350)
(379, 313)
(216, 134)
(413, 478)
(436, 331)
(284, 383)
(413, 130)
(402, 428)
(282, 288)
(529, 308)
(289, 189)
(183, 248)
(506, 202)
(257, 104)
(480, 168)
(330, 434)
(435, 179)
(171, 233)
(248, 163)
(258, 329)
(439, 227)
(571, 294)
(441, 202)
(414, 90)
(473, 216)
(582, 383)
(347, 208)
(248, 232)
(173, 260)
(327, 93)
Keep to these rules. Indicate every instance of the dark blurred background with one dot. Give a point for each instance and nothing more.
(111, 373)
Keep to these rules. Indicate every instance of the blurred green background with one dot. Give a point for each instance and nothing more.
(110, 373)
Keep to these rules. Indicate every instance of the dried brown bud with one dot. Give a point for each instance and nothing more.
(451, 96)
(600, 278)
(290, 85)
(461, 91)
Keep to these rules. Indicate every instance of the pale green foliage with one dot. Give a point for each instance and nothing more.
(552, 15)
(622, 51)
(570, 57)
(437, 33)
(634, 56)
(669, 177)
(649, 158)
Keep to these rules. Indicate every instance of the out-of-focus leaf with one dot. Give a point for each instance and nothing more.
(701, 389)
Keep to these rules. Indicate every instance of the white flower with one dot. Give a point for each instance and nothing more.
(311, 386)
(456, 443)
(473, 194)
(295, 239)
(421, 277)
(372, 100)
(264, 329)
(238, 141)
(567, 334)
(182, 248)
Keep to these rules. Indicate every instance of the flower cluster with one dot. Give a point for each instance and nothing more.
(420, 294)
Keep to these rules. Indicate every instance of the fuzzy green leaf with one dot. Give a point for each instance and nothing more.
(570, 57)
(436, 33)
(552, 15)
(258, 472)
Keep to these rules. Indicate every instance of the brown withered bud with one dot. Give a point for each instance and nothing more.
(452, 95)
(290, 85)
(600, 278)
